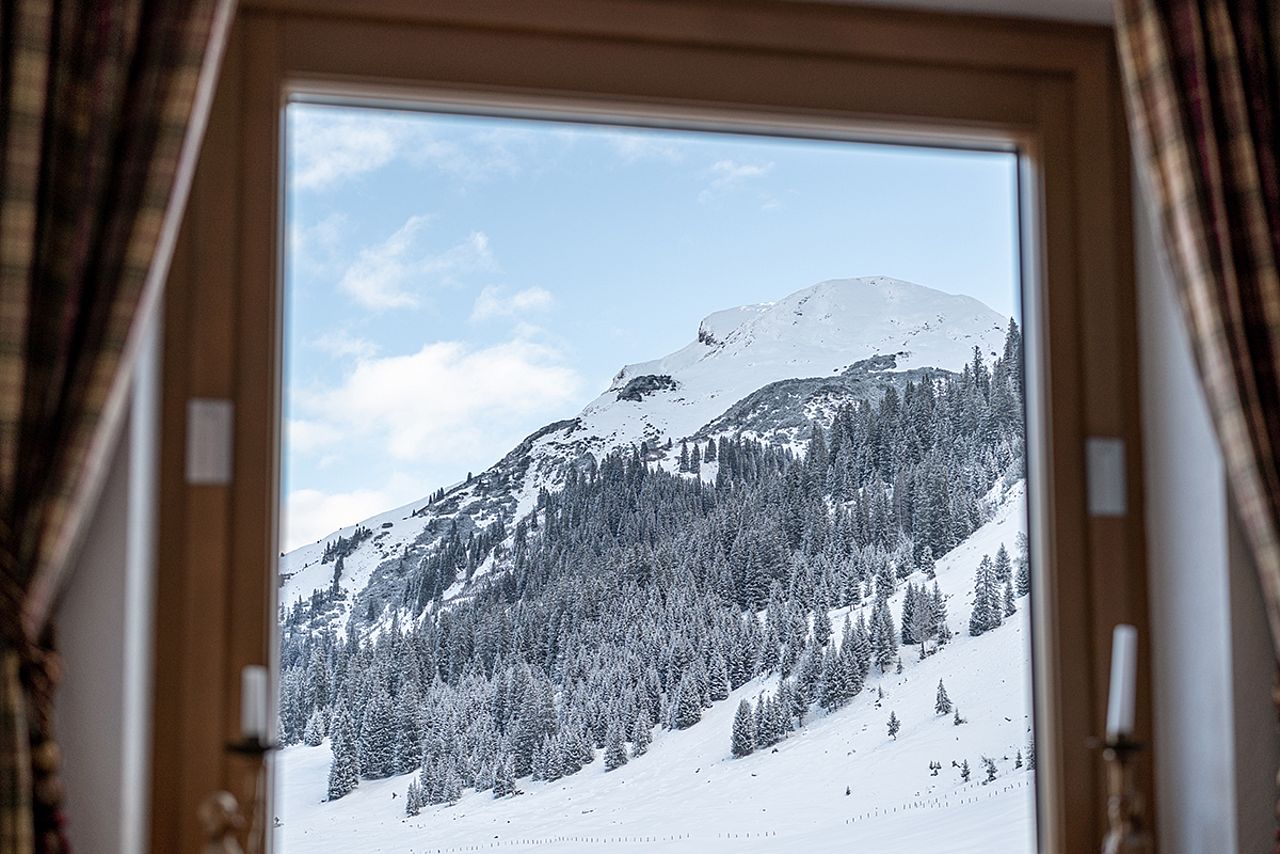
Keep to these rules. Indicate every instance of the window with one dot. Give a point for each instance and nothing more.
(768, 589)
(786, 69)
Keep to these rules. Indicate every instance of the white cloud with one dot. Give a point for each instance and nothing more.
(393, 274)
(632, 147)
(317, 246)
(447, 401)
(311, 514)
(329, 145)
(307, 435)
(341, 344)
(727, 175)
(326, 148)
(420, 418)
(493, 303)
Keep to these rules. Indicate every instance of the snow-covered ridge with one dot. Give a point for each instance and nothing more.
(814, 332)
(819, 331)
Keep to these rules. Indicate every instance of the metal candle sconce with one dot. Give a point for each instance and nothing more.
(1126, 832)
(221, 813)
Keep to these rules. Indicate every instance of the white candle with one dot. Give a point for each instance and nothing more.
(253, 703)
(1124, 682)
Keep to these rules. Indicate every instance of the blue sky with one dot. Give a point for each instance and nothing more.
(455, 283)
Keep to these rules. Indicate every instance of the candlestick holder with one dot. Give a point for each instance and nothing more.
(224, 816)
(252, 747)
(1126, 833)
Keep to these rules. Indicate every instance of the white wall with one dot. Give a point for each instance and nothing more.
(105, 634)
(1216, 740)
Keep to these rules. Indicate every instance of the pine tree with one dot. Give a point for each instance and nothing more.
(615, 750)
(538, 764)
(884, 640)
(313, 736)
(927, 563)
(344, 772)
(765, 734)
(821, 622)
(1010, 607)
(641, 734)
(924, 620)
(836, 687)
(894, 726)
(989, 765)
(942, 705)
(1017, 759)
(555, 759)
(688, 703)
(908, 616)
(1003, 566)
(744, 730)
(987, 613)
(940, 615)
(718, 679)
(1024, 565)
(956, 719)
(964, 770)
(413, 799)
(1031, 752)
(408, 745)
(377, 745)
(451, 791)
(504, 777)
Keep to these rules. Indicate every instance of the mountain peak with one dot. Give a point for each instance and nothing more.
(814, 332)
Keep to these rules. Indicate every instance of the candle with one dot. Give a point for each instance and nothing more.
(1124, 682)
(253, 703)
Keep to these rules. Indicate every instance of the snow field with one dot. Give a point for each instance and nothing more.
(687, 794)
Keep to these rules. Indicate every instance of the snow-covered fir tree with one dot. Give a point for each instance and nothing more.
(344, 770)
(988, 610)
(942, 705)
(641, 733)
(314, 734)
(1023, 573)
(615, 748)
(744, 730)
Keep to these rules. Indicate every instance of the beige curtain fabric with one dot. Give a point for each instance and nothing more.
(101, 107)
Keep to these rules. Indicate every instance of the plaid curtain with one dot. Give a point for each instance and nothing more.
(102, 104)
(1202, 83)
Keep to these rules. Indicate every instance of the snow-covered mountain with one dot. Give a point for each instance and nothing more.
(764, 370)
(758, 595)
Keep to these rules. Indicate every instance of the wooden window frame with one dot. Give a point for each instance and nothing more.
(1048, 89)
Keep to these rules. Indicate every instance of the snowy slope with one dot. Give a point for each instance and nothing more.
(819, 331)
(688, 795)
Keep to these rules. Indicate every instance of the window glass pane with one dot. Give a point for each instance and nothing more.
(649, 490)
